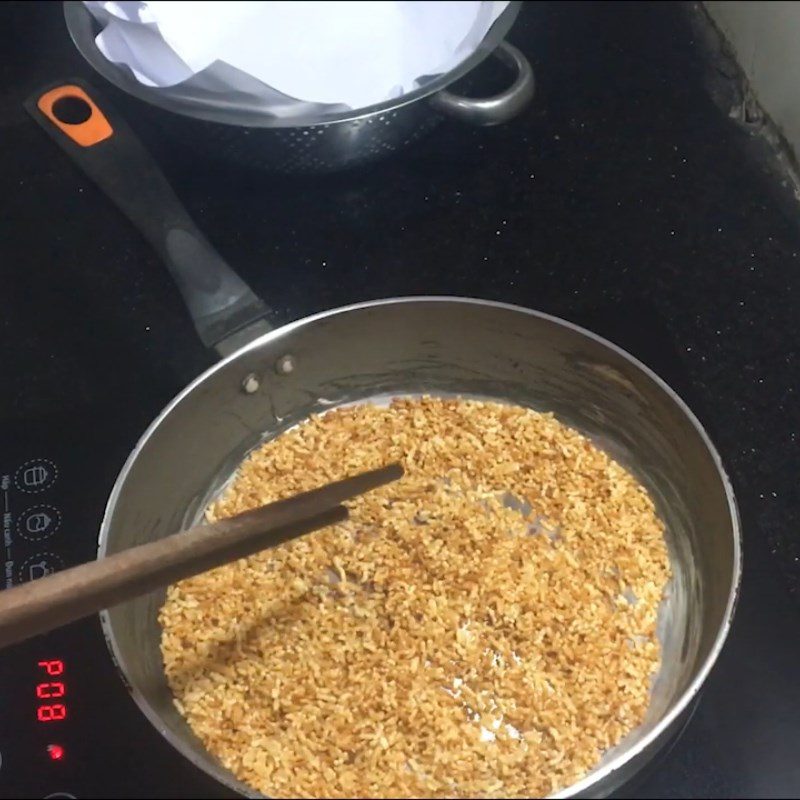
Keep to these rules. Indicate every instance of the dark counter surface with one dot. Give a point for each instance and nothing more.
(626, 200)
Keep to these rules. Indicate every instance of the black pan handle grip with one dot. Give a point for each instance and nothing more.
(110, 153)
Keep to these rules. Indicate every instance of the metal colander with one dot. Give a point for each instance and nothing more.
(311, 144)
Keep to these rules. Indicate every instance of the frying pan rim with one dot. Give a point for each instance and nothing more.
(620, 760)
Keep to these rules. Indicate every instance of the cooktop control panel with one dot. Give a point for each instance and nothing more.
(68, 727)
(41, 738)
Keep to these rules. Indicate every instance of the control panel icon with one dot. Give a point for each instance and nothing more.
(36, 475)
(39, 522)
(39, 569)
(38, 566)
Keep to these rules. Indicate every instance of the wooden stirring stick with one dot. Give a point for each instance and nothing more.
(63, 597)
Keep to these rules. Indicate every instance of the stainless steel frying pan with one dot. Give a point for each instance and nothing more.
(270, 379)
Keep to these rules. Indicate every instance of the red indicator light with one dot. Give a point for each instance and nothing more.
(55, 751)
(52, 667)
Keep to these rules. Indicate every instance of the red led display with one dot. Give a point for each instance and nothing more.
(49, 690)
(45, 691)
(51, 713)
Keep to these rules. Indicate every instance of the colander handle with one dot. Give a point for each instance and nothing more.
(499, 107)
(99, 141)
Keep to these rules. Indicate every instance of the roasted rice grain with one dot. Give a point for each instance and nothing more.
(484, 627)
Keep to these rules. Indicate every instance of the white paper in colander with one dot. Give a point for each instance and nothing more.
(350, 53)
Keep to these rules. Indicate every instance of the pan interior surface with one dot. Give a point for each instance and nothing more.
(442, 347)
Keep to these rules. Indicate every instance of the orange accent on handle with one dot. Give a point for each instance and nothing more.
(91, 131)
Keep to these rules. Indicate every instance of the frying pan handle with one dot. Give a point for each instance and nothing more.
(500, 107)
(109, 152)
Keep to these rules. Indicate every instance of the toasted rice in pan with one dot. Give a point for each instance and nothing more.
(483, 627)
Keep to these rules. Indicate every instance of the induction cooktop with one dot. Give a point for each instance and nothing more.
(615, 153)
